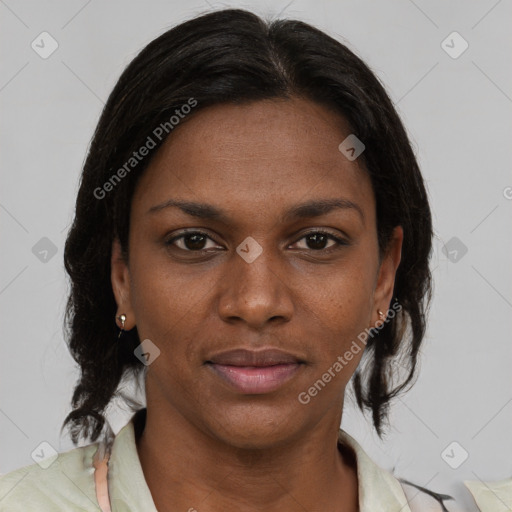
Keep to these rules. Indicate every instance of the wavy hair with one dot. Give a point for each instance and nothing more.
(224, 57)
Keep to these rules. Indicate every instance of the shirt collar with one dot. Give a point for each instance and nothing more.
(128, 488)
(378, 489)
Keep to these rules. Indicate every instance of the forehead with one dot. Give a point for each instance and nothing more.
(264, 154)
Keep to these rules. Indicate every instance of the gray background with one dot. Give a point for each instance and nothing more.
(458, 114)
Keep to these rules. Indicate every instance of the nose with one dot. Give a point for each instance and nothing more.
(257, 292)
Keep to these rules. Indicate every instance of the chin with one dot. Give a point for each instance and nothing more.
(256, 429)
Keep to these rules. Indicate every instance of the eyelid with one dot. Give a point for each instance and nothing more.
(339, 239)
(325, 231)
(189, 231)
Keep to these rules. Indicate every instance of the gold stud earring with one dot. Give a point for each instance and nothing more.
(381, 314)
(122, 319)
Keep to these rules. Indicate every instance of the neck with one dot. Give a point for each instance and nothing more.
(191, 470)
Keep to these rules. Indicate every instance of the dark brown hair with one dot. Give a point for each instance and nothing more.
(233, 56)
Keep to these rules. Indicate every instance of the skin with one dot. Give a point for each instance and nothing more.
(206, 446)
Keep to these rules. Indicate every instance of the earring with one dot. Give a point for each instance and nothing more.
(381, 314)
(122, 319)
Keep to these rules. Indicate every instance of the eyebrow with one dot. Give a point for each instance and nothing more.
(309, 209)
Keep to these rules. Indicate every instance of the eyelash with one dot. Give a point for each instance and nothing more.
(339, 241)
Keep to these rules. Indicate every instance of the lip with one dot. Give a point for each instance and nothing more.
(256, 380)
(255, 372)
(244, 357)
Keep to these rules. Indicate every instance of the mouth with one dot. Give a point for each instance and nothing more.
(251, 372)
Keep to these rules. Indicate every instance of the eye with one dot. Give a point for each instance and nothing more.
(316, 241)
(196, 241)
(191, 241)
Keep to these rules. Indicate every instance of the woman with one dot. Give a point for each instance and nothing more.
(252, 232)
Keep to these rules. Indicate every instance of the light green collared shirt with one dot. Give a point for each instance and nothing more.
(68, 484)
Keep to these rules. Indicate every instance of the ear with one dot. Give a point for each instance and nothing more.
(383, 292)
(120, 278)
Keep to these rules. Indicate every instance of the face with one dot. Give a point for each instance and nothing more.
(253, 292)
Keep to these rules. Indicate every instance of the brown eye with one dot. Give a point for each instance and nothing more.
(317, 240)
(191, 241)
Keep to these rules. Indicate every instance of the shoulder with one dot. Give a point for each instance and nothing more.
(495, 496)
(64, 482)
(488, 497)
(381, 490)
(421, 499)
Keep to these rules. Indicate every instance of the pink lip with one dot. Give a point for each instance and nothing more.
(262, 357)
(256, 379)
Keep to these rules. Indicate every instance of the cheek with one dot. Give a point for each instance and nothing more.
(159, 295)
(342, 301)
(343, 314)
(157, 305)
(170, 310)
